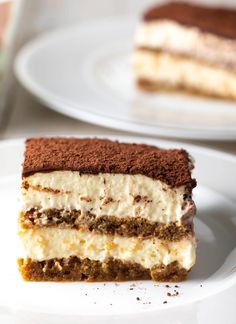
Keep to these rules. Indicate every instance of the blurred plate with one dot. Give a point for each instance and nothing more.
(85, 72)
(208, 296)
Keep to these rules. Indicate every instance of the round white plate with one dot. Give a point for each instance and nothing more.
(212, 281)
(85, 72)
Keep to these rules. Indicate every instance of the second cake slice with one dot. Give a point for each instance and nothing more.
(102, 210)
(182, 46)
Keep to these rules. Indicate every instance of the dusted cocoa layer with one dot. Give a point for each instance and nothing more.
(75, 269)
(218, 21)
(107, 224)
(94, 156)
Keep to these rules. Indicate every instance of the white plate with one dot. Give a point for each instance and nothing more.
(85, 72)
(212, 281)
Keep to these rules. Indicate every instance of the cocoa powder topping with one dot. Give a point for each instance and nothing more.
(219, 21)
(93, 156)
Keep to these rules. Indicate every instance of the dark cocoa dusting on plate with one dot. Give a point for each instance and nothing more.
(174, 294)
(94, 156)
(218, 21)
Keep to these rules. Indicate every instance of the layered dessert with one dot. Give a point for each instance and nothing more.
(182, 46)
(97, 210)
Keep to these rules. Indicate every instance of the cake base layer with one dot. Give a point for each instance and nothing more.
(165, 87)
(107, 224)
(76, 269)
(163, 71)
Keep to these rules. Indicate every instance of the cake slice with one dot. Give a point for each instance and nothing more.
(182, 46)
(95, 209)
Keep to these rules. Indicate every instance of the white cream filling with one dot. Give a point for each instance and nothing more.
(105, 194)
(171, 36)
(47, 243)
(179, 71)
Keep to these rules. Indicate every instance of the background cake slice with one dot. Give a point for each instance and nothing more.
(95, 209)
(182, 46)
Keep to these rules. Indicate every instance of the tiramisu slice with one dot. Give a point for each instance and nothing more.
(96, 209)
(180, 46)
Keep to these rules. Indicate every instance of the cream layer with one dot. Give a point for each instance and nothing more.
(47, 243)
(104, 194)
(171, 36)
(177, 71)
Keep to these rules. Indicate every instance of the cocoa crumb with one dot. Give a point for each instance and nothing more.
(87, 199)
(107, 201)
(137, 198)
(173, 295)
